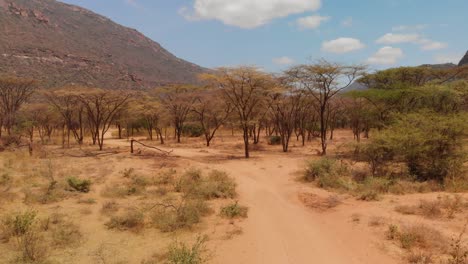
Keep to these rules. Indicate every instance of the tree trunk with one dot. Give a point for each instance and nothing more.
(178, 134)
(63, 136)
(246, 142)
(161, 138)
(323, 130)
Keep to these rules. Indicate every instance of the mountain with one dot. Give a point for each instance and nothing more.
(63, 44)
(355, 86)
(440, 66)
(464, 60)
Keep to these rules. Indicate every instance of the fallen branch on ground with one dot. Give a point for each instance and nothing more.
(151, 147)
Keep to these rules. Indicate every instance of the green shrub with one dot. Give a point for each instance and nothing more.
(274, 140)
(180, 253)
(192, 130)
(18, 224)
(234, 210)
(372, 187)
(319, 168)
(332, 181)
(170, 218)
(79, 184)
(217, 185)
(430, 144)
(377, 154)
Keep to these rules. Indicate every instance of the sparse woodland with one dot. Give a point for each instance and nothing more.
(408, 134)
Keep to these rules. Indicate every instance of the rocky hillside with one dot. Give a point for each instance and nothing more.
(464, 60)
(63, 44)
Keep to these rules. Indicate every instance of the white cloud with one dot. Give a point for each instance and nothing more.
(448, 58)
(342, 45)
(424, 43)
(248, 13)
(311, 22)
(386, 56)
(348, 22)
(283, 60)
(418, 27)
(391, 38)
(427, 44)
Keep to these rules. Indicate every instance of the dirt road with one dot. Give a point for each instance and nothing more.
(280, 229)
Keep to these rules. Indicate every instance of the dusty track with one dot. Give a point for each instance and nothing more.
(280, 229)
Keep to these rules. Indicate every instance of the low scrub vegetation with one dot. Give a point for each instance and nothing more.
(446, 206)
(234, 210)
(35, 237)
(181, 253)
(342, 176)
(427, 245)
(132, 220)
(79, 185)
(216, 185)
(170, 217)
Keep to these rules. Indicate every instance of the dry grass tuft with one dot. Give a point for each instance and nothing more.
(445, 206)
(110, 207)
(419, 237)
(420, 257)
(376, 221)
(132, 220)
(318, 203)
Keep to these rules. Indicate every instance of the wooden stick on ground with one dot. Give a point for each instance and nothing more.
(151, 147)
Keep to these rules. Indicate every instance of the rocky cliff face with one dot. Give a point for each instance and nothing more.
(464, 60)
(63, 44)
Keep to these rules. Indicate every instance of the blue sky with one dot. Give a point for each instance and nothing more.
(274, 34)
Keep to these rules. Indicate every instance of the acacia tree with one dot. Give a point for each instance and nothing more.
(246, 88)
(102, 108)
(359, 113)
(13, 94)
(152, 114)
(37, 117)
(47, 121)
(323, 81)
(67, 103)
(211, 113)
(178, 100)
(286, 108)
